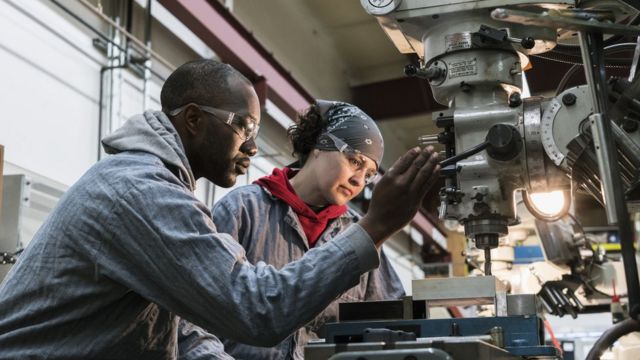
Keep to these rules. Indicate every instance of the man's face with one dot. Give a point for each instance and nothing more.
(224, 153)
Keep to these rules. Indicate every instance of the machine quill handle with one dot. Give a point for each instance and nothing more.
(502, 140)
(425, 140)
(465, 154)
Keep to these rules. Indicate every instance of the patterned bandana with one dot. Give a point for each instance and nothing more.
(352, 127)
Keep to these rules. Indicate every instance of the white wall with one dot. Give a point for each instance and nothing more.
(50, 88)
(49, 91)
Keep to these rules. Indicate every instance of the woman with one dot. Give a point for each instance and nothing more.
(297, 208)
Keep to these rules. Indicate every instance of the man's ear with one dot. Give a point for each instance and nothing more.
(194, 120)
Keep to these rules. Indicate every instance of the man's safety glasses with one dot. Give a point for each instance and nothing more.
(246, 127)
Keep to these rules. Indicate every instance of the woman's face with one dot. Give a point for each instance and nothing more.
(340, 176)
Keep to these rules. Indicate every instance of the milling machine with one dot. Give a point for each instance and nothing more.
(502, 145)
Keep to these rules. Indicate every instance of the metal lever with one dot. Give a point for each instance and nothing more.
(430, 73)
(465, 154)
(502, 139)
(499, 35)
(425, 140)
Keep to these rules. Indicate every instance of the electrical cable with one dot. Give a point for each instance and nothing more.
(575, 49)
(611, 335)
(608, 50)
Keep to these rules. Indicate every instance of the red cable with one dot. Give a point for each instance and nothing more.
(554, 341)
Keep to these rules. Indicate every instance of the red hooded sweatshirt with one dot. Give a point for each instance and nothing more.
(313, 224)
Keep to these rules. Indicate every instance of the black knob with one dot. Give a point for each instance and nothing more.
(629, 125)
(528, 42)
(410, 70)
(569, 99)
(515, 99)
(501, 138)
(505, 142)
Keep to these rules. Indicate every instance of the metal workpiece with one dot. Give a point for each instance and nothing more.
(405, 308)
(522, 304)
(480, 290)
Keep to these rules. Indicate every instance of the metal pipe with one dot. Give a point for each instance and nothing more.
(147, 63)
(629, 147)
(129, 20)
(634, 62)
(604, 154)
(591, 44)
(86, 24)
(124, 63)
(107, 39)
(127, 34)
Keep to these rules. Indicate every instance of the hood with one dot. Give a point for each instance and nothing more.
(152, 132)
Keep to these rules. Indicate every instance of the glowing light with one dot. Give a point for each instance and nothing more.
(549, 203)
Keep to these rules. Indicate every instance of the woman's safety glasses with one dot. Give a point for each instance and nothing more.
(355, 159)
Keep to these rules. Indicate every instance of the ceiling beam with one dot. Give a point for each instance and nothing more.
(395, 98)
(235, 45)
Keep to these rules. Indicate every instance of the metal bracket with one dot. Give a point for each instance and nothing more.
(564, 20)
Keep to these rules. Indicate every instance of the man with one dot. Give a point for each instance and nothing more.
(129, 250)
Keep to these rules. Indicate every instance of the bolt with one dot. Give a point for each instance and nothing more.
(629, 125)
(515, 99)
(455, 329)
(410, 70)
(528, 42)
(569, 99)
